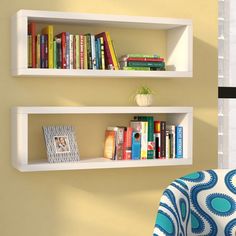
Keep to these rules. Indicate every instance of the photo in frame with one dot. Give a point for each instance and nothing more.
(61, 144)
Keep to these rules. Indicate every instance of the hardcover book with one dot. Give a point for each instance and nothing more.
(136, 145)
(48, 30)
(110, 144)
(179, 141)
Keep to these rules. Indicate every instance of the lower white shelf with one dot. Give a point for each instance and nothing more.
(21, 137)
(99, 163)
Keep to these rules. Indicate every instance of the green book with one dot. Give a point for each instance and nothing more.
(141, 55)
(150, 120)
(135, 68)
(146, 64)
(54, 54)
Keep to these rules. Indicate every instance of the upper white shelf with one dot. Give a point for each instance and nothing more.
(178, 42)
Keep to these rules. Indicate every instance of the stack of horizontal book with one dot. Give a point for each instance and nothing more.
(70, 51)
(141, 62)
(144, 139)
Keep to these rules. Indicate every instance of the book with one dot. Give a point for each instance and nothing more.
(135, 68)
(109, 144)
(159, 65)
(62, 37)
(179, 141)
(48, 30)
(157, 138)
(81, 42)
(89, 51)
(127, 147)
(98, 53)
(171, 129)
(142, 128)
(93, 52)
(67, 50)
(102, 53)
(119, 143)
(150, 134)
(54, 54)
(140, 55)
(46, 50)
(85, 53)
(113, 55)
(42, 51)
(71, 51)
(163, 139)
(77, 52)
(142, 59)
(167, 145)
(29, 51)
(38, 51)
(108, 58)
(136, 145)
(32, 32)
(58, 53)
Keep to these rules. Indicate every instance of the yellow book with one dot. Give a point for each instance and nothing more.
(49, 31)
(113, 55)
(85, 53)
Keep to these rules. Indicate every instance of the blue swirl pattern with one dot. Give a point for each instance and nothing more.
(201, 203)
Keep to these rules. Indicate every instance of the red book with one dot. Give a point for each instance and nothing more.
(108, 59)
(62, 36)
(145, 59)
(32, 32)
(81, 43)
(127, 149)
(74, 53)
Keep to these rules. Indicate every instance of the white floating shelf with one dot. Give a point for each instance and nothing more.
(179, 42)
(20, 160)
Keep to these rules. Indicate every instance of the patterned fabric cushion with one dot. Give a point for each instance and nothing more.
(201, 203)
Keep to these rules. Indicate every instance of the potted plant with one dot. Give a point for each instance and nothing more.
(144, 96)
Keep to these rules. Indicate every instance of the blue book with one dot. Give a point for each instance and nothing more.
(136, 145)
(179, 141)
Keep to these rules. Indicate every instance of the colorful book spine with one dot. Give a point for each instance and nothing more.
(140, 55)
(42, 51)
(74, 52)
(62, 36)
(119, 143)
(46, 50)
(93, 52)
(135, 68)
(48, 30)
(143, 59)
(171, 129)
(77, 54)
(109, 62)
(113, 55)
(142, 127)
(150, 134)
(58, 53)
(127, 149)
(67, 50)
(81, 41)
(102, 53)
(163, 139)
(179, 141)
(167, 145)
(71, 51)
(160, 65)
(157, 138)
(29, 51)
(136, 145)
(85, 53)
(32, 32)
(54, 54)
(38, 51)
(109, 145)
(89, 51)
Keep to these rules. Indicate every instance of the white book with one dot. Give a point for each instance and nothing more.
(71, 50)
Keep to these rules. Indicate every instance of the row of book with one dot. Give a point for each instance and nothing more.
(144, 139)
(142, 62)
(68, 51)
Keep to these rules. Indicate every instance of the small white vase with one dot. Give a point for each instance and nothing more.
(143, 100)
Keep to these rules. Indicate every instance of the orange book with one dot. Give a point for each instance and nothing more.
(110, 144)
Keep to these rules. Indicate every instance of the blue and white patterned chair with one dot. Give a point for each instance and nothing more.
(201, 203)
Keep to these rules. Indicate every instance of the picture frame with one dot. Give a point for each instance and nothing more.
(61, 144)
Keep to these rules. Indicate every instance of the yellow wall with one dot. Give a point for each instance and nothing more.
(114, 201)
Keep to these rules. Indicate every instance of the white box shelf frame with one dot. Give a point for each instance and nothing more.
(179, 42)
(20, 160)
